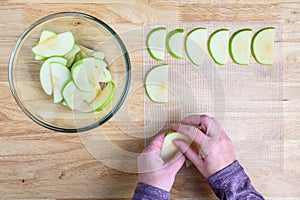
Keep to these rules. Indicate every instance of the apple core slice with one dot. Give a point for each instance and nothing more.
(175, 41)
(156, 43)
(263, 46)
(156, 83)
(218, 46)
(195, 45)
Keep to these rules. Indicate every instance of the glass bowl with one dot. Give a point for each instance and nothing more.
(24, 71)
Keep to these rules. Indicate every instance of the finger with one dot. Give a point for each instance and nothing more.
(197, 120)
(214, 129)
(176, 162)
(192, 132)
(156, 143)
(191, 154)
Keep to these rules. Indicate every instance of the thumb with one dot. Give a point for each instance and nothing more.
(176, 162)
(191, 154)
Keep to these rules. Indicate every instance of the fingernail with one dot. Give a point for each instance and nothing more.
(175, 126)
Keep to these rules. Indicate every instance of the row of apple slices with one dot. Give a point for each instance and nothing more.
(239, 45)
(72, 73)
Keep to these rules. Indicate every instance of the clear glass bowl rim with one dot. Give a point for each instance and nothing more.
(51, 127)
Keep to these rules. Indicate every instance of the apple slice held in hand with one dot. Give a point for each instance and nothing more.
(195, 45)
(60, 76)
(156, 83)
(218, 46)
(240, 45)
(175, 41)
(169, 149)
(263, 46)
(58, 45)
(156, 43)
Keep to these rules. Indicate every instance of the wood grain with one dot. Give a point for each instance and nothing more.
(36, 163)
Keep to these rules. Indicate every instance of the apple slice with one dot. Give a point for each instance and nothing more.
(86, 73)
(263, 46)
(64, 103)
(175, 41)
(95, 70)
(60, 76)
(218, 46)
(101, 100)
(80, 76)
(156, 43)
(98, 54)
(71, 55)
(195, 45)
(44, 36)
(105, 76)
(59, 45)
(239, 46)
(45, 73)
(86, 51)
(169, 149)
(156, 83)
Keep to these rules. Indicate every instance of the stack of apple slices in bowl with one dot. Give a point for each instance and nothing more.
(69, 72)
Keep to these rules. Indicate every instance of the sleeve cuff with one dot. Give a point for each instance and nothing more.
(148, 192)
(229, 171)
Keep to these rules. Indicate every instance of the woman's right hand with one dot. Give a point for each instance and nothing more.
(215, 147)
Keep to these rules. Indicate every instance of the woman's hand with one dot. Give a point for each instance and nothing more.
(215, 147)
(152, 169)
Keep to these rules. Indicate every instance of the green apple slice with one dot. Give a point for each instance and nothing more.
(95, 71)
(169, 149)
(44, 36)
(86, 73)
(64, 103)
(101, 100)
(156, 83)
(59, 45)
(156, 43)
(195, 45)
(73, 96)
(86, 51)
(263, 46)
(71, 55)
(90, 96)
(60, 76)
(105, 76)
(218, 46)
(98, 54)
(45, 73)
(175, 41)
(240, 45)
(80, 76)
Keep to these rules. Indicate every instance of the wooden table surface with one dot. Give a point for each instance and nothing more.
(36, 163)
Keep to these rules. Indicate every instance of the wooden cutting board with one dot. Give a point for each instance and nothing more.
(36, 163)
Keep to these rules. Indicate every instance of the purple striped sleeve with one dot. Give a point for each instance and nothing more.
(147, 192)
(233, 183)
